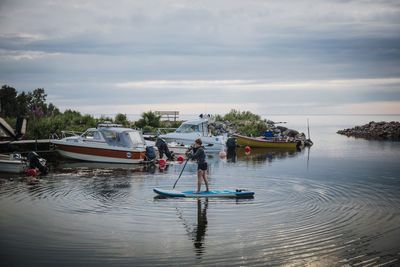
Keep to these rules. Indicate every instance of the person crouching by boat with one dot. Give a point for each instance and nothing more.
(163, 149)
(199, 154)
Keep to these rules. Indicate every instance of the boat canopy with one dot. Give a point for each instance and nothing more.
(121, 137)
(198, 126)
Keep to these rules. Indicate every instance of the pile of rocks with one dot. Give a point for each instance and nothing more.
(226, 127)
(375, 130)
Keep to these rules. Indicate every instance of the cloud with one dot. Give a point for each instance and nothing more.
(304, 54)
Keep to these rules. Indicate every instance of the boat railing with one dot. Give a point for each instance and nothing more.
(165, 130)
(53, 136)
(65, 134)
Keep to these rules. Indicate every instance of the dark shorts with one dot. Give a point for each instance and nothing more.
(202, 167)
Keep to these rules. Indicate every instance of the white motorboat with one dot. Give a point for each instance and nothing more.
(15, 163)
(106, 143)
(190, 131)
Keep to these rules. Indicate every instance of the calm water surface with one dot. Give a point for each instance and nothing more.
(337, 204)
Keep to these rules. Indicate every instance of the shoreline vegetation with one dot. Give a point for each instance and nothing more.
(45, 119)
(389, 131)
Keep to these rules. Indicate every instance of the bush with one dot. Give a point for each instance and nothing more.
(235, 115)
(149, 119)
(121, 119)
(254, 128)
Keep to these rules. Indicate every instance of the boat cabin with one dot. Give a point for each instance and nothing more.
(121, 137)
(198, 126)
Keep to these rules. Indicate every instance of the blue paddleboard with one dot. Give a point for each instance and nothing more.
(215, 193)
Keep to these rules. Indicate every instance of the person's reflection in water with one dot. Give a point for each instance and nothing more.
(231, 154)
(200, 231)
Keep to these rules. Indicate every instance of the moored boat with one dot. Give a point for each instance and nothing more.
(15, 163)
(264, 142)
(191, 130)
(106, 143)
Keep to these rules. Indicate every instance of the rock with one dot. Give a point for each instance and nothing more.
(282, 128)
(375, 130)
(292, 133)
(308, 142)
(229, 128)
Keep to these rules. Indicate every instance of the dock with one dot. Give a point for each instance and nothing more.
(21, 146)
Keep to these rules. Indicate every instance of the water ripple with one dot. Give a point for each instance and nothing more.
(291, 220)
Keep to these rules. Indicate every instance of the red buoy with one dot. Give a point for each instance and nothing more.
(180, 159)
(162, 162)
(31, 172)
(247, 149)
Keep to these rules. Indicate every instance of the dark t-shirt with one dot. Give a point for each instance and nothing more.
(199, 155)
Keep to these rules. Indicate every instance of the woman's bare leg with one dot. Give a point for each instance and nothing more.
(199, 177)
(205, 180)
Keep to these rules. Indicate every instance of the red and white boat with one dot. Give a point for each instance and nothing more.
(106, 143)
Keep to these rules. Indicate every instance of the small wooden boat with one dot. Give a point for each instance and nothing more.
(264, 142)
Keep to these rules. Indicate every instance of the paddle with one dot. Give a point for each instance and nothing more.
(180, 173)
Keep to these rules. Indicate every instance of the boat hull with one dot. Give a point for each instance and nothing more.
(96, 154)
(13, 166)
(215, 143)
(259, 142)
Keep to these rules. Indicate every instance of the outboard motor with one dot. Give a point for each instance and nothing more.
(150, 153)
(163, 149)
(36, 162)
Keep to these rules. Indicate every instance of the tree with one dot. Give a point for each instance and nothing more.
(37, 98)
(121, 119)
(149, 119)
(53, 110)
(8, 101)
(22, 104)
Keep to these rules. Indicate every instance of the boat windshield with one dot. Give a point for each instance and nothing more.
(136, 139)
(123, 139)
(188, 128)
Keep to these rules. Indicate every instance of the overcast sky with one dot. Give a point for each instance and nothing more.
(269, 57)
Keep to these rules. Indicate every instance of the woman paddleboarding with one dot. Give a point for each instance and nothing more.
(199, 154)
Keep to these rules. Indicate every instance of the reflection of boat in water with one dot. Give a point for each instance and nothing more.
(264, 154)
(106, 143)
(264, 142)
(96, 165)
(190, 131)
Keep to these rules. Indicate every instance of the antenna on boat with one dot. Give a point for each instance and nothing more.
(308, 128)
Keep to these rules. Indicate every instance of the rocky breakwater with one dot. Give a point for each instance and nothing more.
(375, 130)
(242, 128)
